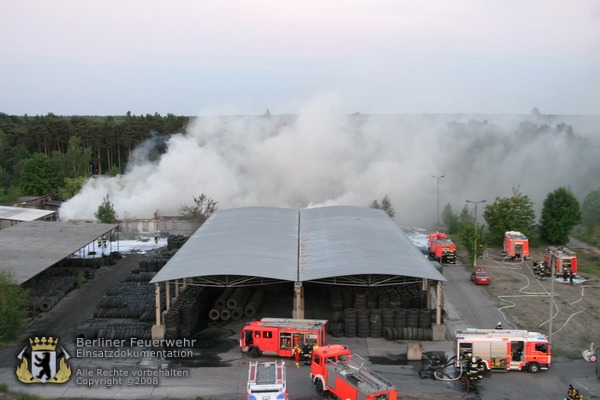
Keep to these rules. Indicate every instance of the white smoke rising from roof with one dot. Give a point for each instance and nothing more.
(324, 157)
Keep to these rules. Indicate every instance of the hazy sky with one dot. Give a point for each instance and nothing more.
(381, 56)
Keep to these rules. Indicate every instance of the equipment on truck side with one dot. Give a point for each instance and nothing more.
(560, 260)
(336, 370)
(266, 381)
(503, 350)
(441, 248)
(516, 245)
(279, 336)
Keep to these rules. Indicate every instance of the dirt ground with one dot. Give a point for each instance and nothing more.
(525, 302)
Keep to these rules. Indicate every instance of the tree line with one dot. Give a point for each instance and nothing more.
(561, 213)
(47, 154)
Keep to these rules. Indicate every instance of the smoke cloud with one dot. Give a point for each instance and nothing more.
(323, 156)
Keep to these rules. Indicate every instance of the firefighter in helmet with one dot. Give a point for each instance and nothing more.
(472, 371)
(306, 353)
(480, 368)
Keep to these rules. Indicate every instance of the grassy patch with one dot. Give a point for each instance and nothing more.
(588, 263)
(590, 235)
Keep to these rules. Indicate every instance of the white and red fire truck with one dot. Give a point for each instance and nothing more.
(560, 259)
(266, 381)
(503, 350)
(335, 370)
(279, 336)
(516, 245)
(441, 248)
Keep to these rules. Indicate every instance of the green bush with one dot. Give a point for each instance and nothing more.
(13, 307)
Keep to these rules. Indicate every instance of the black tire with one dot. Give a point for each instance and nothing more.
(255, 352)
(533, 368)
(320, 389)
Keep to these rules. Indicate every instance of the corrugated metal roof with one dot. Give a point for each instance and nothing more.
(23, 214)
(346, 240)
(263, 242)
(250, 241)
(28, 248)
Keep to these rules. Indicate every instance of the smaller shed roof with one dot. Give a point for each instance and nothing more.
(23, 214)
(28, 248)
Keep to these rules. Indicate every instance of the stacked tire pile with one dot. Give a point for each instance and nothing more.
(410, 324)
(235, 304)
(129, 299)
(145, 271)
(184, 314)
(137, 276)
(48, 289)
(175, 242)
(393, 312)
(115, 330)
(128, 308)
(153, 264)
(94, 263)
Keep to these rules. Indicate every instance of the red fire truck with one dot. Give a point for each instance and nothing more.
(503, 350)
(279, 336)
(516, 245)
(336, 370)
(441, 248)
(560, 259)
(266, 381)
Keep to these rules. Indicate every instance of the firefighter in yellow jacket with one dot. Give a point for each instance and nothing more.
(297, 354)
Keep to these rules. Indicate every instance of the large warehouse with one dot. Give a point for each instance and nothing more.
(331, 246)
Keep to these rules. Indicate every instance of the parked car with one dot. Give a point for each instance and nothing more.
(480, 277)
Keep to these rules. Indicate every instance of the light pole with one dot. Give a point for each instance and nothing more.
(476, 232)
(438, 196)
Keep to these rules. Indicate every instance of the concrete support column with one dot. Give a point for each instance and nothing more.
(158, 330)
(157, 302)
(439, 329)
(438, 303)
(176, 287)
(168, 294)
(298, 311)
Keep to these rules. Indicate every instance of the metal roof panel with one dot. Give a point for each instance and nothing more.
(250, 241)
(347, 240)
(28, 248)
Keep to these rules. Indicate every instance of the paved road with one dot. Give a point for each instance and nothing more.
(468, 305)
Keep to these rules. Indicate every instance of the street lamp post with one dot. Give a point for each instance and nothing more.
(476, 233)
(438, 196)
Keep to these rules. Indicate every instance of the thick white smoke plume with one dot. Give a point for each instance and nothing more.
(324, 157)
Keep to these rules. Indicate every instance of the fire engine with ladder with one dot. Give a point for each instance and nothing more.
(503, 350)
(266, 381)
(279, 336)
(560, 259)
(441, 248)
(335, 370)
(516, 245)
